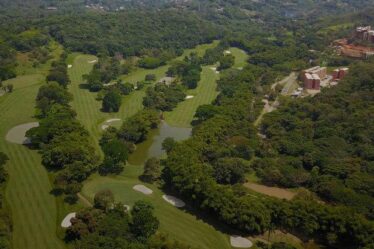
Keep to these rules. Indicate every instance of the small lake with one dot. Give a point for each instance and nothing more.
(152, 147)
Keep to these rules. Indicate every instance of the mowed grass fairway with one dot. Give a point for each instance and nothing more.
(179, 224)
(205, 93)
(85, 103)
(241, 57)
(33, 207)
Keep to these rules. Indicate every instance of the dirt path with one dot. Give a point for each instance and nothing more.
(267, 108)
(287, 83)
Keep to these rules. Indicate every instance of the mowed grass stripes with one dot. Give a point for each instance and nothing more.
(85, 103)
(205, 93)
(33, 207)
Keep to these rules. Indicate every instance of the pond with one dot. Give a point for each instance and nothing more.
(152, 147)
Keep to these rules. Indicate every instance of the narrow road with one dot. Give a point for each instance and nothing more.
(287, 82)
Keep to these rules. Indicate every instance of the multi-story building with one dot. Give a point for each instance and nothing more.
(365, 33)
(339, 73)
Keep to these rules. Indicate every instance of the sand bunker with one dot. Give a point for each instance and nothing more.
(227, 52)
(17, 134)
(93, 61)
(127, 207)
(143, 189)
(70, 66)
(112, 120)
(106, 125)
(189, 97)
(174, 201)
(240, 242)
(214, 68)
(67, 220)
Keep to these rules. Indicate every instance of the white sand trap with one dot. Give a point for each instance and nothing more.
(174, 201)
(189, 97)
(240, 242)
(127, 207)
(143, 189)
(70, 66)
(112, 120)
(93, 61)
(214, 68)
(17, 134)
(106, 125)
(66, 222)
(227, 52)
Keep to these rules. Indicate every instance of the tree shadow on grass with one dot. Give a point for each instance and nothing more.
(193, 209)
(84, 86)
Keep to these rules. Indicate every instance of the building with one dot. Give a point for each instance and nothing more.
(320, 71)
(365, 33)
(312, 77)
(339, 73)
(312, 82)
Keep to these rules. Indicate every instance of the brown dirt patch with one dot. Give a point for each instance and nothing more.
(271, 191)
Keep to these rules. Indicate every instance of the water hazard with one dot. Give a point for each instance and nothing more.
(152, 147)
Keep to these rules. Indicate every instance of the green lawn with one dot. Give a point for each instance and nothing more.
(241, 57)
(85, 103)
(205, 93)
(178, 223)
(33, 207)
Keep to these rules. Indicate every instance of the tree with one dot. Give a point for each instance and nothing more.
(116, 150)
(3, 173)
(226, 62)
(230, 170)
(9, 88)
(150, 77)
(205, 112)
(51, 94)
(110, 166)
(144, 224)
(151, 62)
(125, 88)
(191, 78)
(104, 199)
(112, 101)
(168, 144)
(152, 170)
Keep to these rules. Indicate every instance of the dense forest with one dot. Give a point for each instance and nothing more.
(226, 141)
(325, 143)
